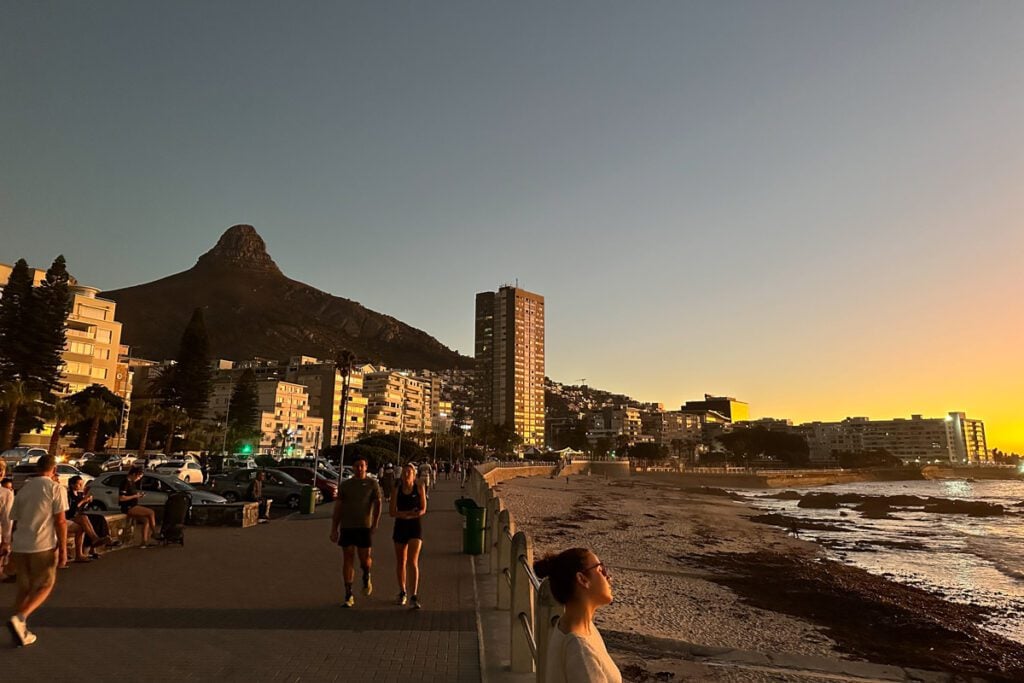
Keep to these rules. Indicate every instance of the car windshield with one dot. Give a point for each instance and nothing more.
(171, 464)
(283, 477)
(176, 484)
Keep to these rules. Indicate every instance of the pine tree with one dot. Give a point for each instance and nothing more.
(51, 306)
(16, 341)
(244, 410)
(193, 376)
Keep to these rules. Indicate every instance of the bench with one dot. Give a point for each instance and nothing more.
(121, 529)
(230, 514)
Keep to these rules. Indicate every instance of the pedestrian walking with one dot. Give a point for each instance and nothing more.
(387, 482)
(40, 540)
(254, 494)
(576, 651)
(353, 522)
(408, 505)
(6, 502)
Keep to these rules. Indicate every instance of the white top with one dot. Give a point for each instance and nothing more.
(573, 658)
(6, 501)
(34, 507)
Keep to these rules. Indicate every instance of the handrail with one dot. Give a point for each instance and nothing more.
(532, 608)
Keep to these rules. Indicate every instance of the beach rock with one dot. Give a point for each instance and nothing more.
(785, 495)
(795, 523)
(828, 501)
(973, 508)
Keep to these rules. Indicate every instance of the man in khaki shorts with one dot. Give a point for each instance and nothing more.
(40, 535)
(355, 518)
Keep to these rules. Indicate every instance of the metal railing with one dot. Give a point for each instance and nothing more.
(532, 609)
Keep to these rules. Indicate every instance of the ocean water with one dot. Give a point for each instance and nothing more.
(971, 560)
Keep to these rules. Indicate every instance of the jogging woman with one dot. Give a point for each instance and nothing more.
(408, 505)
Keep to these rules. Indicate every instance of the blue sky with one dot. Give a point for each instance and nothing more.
(814, 206)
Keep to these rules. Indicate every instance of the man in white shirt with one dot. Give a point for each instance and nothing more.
(6, 501)
(40, 535)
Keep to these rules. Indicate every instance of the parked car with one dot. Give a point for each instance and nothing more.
(323, 466)
(239, 464)
(105, 462)
(186, 470)
(65, 472)
(23, 472)
(157, 486)
(15, 456)
(304, 475)
(282, 488)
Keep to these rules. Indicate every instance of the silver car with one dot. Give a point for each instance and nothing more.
(156, 487)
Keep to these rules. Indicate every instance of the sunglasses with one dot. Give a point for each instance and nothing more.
(600, 567)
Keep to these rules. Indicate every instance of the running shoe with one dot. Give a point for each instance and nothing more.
(367, 584)
(18, 629)
(350, 601)
(402, 598)
(29, 638)
(416, 603)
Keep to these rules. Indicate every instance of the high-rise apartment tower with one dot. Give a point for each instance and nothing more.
(510, 362)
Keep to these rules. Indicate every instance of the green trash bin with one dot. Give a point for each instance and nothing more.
(473, 520)
(307, 500)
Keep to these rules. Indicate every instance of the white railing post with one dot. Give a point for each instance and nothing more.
(548, 610)
(505, 527)
(494, 519)
(522, 604)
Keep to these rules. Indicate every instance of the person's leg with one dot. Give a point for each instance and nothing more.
(415, 545)
(400, 555)
(366, 564)
(76, 529)
(140, 516)
(349, 567)
(86, 524)
(151, 522)
(41, 575)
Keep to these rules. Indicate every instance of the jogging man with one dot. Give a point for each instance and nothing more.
(355, 518)
(40, 535)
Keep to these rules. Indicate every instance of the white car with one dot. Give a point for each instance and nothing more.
(65, 472)
(186, 470)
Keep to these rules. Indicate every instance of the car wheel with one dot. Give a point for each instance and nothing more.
(188, 480)
(96, 506)
(293, 501)
(230, 496)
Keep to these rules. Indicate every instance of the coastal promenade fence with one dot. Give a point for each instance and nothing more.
(532, 609)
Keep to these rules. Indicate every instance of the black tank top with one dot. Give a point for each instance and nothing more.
(407, 502)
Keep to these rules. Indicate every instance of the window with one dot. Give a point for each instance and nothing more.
(99, 373)
(103, 336)
(92, 312)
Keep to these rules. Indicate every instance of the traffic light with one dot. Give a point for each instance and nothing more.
(246, 448)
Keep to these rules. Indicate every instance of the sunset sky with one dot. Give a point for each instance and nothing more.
(816, 207)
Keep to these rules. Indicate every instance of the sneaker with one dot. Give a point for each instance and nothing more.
(18, 629)
(350, 601)
(416, 603)
(402, 599)
(29, 638)
(367, 584)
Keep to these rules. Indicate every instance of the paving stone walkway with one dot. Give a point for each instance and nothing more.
(257, 604)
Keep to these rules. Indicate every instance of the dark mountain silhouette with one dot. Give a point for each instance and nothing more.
(253, 310)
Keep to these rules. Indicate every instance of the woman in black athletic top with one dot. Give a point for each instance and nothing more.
(408, 505)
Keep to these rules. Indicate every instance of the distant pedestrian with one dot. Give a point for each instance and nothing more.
(355, 518)
(408, 505)
(6, 502)
(254, 494)
(387, 483)
(40, 538)
(576, 651)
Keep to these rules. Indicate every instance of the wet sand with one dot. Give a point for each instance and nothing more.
(691, 565)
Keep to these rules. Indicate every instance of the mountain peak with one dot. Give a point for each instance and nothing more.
(240, 247)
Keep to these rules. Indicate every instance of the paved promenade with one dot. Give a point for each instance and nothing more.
(257, 604)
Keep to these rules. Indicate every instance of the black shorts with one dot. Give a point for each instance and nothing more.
(406, 530)
(360, 538)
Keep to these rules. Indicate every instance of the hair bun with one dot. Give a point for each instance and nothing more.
(542, 567)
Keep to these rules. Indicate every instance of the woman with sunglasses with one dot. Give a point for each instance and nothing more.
(576, 651)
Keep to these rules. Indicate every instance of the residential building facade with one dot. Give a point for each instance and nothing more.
(509, 352)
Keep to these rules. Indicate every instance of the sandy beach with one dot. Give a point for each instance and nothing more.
(691, 565)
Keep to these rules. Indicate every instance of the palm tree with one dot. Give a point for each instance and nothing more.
(97, 410)
(172, 416)
(13, 397)
(63, 413)
(343, 363)
(147, 415)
